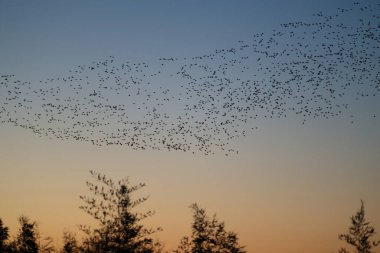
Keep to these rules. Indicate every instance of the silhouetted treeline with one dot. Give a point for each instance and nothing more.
(120, 230)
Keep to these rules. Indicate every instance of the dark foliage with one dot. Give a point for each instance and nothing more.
(70, 244)
(4, 235)
(46, 245)
(120, 228)
(359, 233)
(209, 236)
(26, 241)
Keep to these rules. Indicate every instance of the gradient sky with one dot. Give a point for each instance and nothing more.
(293, 186)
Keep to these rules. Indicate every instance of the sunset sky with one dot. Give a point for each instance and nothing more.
(292, 186)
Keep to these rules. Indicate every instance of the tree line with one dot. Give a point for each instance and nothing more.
(120, 228)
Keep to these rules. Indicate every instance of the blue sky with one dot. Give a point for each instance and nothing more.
(56, 34)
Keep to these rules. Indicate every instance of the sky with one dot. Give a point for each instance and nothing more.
(287, 183)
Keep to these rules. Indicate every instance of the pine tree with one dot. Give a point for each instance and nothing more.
(70, 244)
(209, 236)
(27, 237)
(46, 245)
(359, 233)
(4, 235)
(120, 229)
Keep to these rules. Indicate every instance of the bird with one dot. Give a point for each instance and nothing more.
(203, 103)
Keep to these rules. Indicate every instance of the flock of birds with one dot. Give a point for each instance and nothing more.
(201, 104)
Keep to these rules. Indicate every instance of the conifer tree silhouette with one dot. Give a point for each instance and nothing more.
(26, 241)
(359, 233)
(120, 228)
(208, 236)
(4, 235)
(70, 244)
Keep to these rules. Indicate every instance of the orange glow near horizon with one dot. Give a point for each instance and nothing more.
(272, 203)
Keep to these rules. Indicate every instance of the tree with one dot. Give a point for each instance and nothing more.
(26, 241)
(209, 235)
(120, 229)
(359, 233)
(46, 245)
(70, 244)
(4, 235)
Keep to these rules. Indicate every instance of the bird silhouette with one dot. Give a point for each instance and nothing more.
(203, 103)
